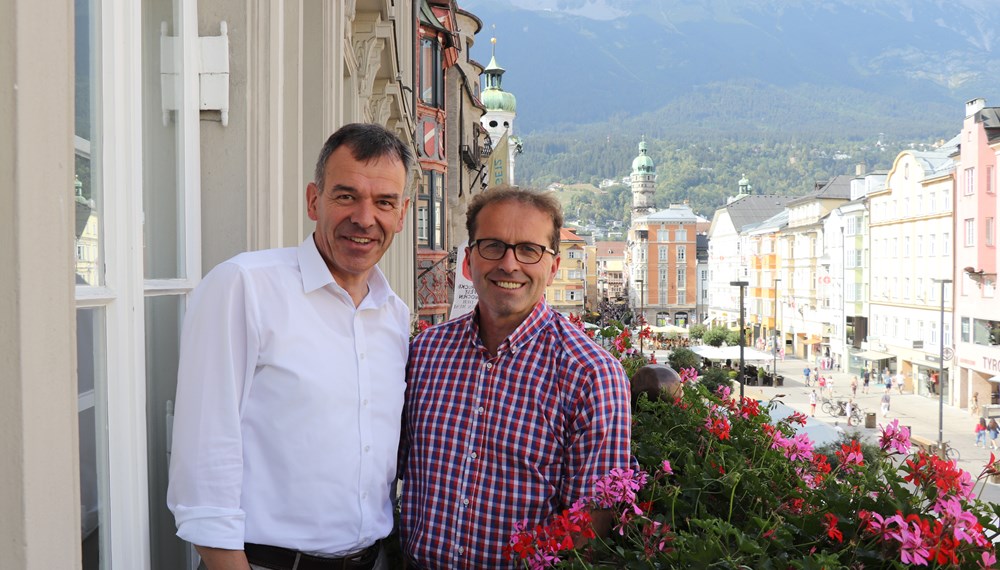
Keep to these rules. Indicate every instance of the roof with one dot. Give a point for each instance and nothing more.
(568, 235)
(675, 213)
(989, 117)
(754, 208)
(938, 161)
(772, 224)
(610, 248)
(837, 188)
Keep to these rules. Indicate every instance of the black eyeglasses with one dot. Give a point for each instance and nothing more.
(494, 249)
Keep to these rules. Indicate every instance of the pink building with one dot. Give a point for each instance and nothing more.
(976, 310)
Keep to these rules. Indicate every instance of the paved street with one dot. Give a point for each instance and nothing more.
(919, 413)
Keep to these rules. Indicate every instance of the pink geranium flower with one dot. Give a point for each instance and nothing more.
(895, 437)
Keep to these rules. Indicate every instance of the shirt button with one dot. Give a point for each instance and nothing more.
(465, 502)
(361, 356)
(480, 410)
(461, 550)
(489, 365)
(473, 455)
(368, 448)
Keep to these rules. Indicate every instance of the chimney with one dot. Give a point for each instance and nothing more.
(974, 106)
(859, 169)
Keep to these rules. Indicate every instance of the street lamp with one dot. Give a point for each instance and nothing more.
(742, 285)
(943, 282)
(641, 317)
(774, 368)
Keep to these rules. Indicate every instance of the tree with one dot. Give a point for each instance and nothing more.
(697, 331)
(732, 337)
(715, 336)
(684, 358)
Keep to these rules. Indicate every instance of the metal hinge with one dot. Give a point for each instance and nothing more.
(213, 73)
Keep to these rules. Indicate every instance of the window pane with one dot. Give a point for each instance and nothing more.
(93, 435)
(86, 144)
(163, 317)
(161, 196)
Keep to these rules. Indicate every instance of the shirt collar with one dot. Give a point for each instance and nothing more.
(536, 320)
(316, 275)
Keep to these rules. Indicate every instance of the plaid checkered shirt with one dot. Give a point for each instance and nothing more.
(489, 441)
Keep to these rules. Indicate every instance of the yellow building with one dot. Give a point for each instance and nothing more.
(567, 292)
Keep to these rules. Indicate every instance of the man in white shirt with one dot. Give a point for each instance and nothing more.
(291, 380)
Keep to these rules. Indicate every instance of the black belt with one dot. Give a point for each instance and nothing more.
(279, 558)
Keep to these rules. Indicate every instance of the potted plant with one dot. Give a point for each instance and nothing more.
(720, 484)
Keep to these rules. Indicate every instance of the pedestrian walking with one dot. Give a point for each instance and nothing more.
(974, 408)
(812, 403)
(850, 410)
(829, 386)
(885, 404)
(981, 433)
(865, 379)
(821, 382)
(887, 379)
(899, 381)
(806, 372)
(994, 430)
(854, 386)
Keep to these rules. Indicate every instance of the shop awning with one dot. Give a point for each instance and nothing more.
(994, 379)
(812, 340)
(874, 355)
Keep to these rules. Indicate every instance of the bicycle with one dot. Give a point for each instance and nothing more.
(838, 408)
(949, 451)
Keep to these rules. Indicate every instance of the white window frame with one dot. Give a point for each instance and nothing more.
(970, 181)
(125, 533)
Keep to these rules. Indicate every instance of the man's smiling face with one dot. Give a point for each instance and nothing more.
(357, 214)
(509, 289)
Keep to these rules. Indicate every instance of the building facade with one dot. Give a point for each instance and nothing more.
(977, 312)
(911, 218)
(801, 245)
(667, 241)
(610, 257)
(728, 250)
(568, 290)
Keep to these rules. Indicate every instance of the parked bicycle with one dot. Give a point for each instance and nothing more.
(946, 451)
(838, 408)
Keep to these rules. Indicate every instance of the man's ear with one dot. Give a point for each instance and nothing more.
(312, 196)
(466, 269)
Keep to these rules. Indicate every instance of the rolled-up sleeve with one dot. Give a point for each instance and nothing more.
(219, 345)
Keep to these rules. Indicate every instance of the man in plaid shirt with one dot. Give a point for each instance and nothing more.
(511, 411)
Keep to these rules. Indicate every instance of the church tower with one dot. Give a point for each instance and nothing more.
(643, 182)
(501, 108)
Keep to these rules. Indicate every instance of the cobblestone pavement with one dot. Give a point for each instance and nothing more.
(919, 413)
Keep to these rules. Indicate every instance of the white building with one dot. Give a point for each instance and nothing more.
(727, 250)
(911, 221)
(804, 318)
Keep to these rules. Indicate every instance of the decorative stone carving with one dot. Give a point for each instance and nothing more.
(380, 107)
(368, 51)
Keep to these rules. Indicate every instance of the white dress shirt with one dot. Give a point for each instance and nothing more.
(288, 407)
